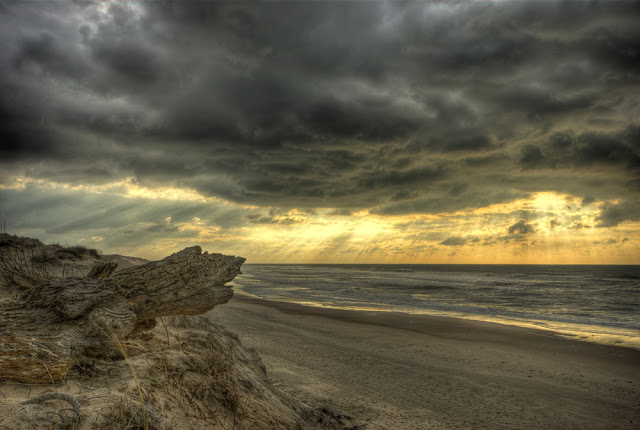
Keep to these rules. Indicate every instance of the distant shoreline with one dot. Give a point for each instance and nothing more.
(418, 322)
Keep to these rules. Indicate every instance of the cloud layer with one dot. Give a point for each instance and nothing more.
(394, 108)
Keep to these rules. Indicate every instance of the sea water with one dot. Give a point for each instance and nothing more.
(595, 303)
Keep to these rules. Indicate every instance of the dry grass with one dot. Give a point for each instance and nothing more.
(206, 379)
(24, 267)
(198, 376)
(67, 418)
(142, 407)
(26, 262)
(126, 413)
(76, 253)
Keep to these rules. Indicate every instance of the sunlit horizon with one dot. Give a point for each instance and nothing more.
(559, 229)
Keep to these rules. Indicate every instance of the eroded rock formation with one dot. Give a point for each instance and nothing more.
(53, 324)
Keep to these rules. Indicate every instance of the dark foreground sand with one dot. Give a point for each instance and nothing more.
(399, 371)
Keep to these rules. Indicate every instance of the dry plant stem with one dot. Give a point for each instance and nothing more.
(22, 268)
(166, 330)
(123, 350)
(71, 270)
(77, 417)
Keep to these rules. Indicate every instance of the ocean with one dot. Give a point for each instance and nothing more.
(593, 303)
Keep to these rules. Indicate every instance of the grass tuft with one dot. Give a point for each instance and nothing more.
(123, 351)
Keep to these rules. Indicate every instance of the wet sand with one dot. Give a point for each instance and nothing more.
(400, 371)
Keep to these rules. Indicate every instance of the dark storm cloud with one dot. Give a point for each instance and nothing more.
(521, 227)
(613, 214)
(47, 55)
(402, 107)
(133, 63)
(454, 241)
(538, 102)
(519, 232)
(448, 198)
(563, 149)
(452, 142)
(22, 139)
(397, 178)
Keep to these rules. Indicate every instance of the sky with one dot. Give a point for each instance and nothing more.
(325, 131)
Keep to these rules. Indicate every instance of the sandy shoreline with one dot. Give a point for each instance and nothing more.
(401, 371)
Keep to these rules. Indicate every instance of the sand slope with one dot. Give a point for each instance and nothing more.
(186, 373)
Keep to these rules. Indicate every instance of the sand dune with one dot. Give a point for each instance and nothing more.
(80, 350)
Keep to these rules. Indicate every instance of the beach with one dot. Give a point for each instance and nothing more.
(391, 370)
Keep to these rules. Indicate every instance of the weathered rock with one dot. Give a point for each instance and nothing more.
(56, 322)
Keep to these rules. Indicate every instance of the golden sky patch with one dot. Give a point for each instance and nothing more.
(546, 228)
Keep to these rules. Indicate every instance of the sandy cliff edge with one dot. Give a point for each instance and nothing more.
(185, 373)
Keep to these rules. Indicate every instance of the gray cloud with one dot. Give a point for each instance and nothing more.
(65, 214)
(521, 227)
(275, 216)
(565, 149)
(576, 225)
(44, 54)
(340, 212)
(613, 214)
(400, 107)
(454, 241)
